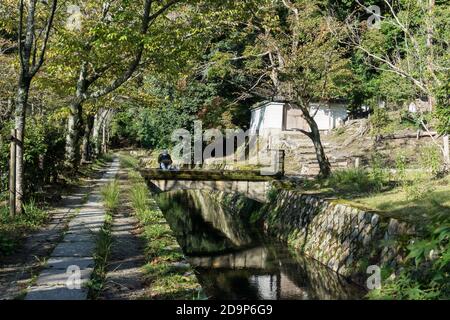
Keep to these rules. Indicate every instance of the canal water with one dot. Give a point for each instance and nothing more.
(234, 260)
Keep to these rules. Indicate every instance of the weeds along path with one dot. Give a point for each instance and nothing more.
(68, 271)
(167, 273)
(18, 270)
(124, 274)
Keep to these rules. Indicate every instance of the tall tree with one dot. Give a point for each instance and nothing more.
(412, 43)
(100, 51)
(292, 55)
(32, 45)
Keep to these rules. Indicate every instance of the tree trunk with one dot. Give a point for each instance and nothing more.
(20, 118)
(314, 135)
(75, 129)
(87, 154)
(324, 163)
(104, 143)
(96, 134)
(100, 118)
(75, 126)
(446, 152)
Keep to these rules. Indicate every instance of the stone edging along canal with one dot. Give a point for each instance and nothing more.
(344, 238)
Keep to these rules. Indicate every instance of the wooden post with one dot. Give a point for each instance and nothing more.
(12, 174)
(281, 158)
(446, 151)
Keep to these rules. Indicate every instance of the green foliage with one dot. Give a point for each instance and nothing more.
(417, 184)
(5, 130)
(357, 180)
(13, 228)
(430, 159)
(378, 173)
(44, 152)
(272, 194)
(110, 194)
(379, 120)
(426, 275)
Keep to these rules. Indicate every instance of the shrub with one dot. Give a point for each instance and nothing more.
(426, 274)
(272, 194)
(44, 152)
(356, 180)
(12, 228)
(378, 121)
(416, 186)
(430, 159)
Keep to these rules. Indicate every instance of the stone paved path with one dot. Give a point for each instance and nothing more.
(73, 256)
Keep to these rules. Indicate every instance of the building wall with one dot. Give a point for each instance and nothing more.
(329, 116)
(267, 117)
(295, 120)
(280, 117)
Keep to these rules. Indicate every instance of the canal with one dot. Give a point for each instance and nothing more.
(232, 257)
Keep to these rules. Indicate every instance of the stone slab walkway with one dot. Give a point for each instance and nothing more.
(18, 270)
(71, 263)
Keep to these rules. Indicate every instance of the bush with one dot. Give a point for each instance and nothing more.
(12, 228)
(417, 185)
(379, 120)
(430, 159)
(356, 180)
(426, 274)
(110, 193)
(44, 152)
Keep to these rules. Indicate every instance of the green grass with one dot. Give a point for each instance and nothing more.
(110, 194)
(355, 181)
(163, 272)
(128, 161)
(398, 203)
(12, 229)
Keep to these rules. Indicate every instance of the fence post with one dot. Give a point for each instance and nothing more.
(281, 160)
(446, 151)
(12, 174)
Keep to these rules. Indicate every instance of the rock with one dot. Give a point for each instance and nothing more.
(375, 219)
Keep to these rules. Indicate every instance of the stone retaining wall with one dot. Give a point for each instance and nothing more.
(344, 238)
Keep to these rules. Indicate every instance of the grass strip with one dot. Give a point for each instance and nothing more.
(169, 275)
(110, 194)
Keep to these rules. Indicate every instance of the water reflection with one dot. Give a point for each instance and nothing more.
(233, 261)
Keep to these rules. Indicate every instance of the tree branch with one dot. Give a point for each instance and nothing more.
(48, 28)
(147, 19)
(20, 34)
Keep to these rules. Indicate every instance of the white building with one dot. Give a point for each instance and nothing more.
(271, 117)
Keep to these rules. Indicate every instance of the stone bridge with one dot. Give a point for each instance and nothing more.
(255, 190)
(253, 186)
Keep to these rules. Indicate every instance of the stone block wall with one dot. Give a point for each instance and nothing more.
(342, 237)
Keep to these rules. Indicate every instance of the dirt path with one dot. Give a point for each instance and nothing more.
(124, 279)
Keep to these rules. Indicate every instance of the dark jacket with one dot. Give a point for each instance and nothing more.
(165, 158)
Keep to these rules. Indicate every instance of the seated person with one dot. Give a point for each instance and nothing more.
(165, 161)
